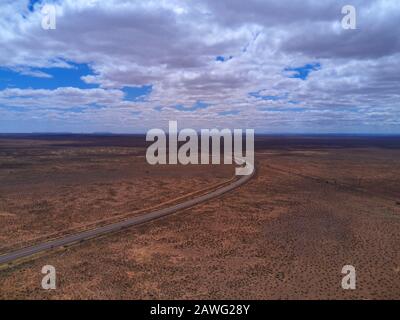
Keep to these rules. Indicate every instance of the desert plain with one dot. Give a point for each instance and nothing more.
(315, 204)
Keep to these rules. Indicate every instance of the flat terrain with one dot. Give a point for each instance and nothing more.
(315, 205)
(50, 188)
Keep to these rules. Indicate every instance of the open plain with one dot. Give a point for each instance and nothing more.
(315, 204)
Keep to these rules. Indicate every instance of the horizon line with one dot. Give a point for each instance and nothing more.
(256, 134)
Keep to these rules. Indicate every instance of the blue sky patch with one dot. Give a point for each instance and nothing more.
(137, 93)
(48, 78)
(302, 72)
(197, 106)
(223, 59)
(32, 3)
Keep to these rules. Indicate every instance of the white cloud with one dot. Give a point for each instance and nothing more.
(172, 45)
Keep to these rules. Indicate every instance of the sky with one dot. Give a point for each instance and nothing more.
(122, 66)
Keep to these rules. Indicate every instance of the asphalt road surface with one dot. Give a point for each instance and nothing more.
(85, 235)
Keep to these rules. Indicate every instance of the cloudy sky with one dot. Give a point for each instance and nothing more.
(128, 66)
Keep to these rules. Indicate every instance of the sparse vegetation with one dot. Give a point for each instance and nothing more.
(285, 234)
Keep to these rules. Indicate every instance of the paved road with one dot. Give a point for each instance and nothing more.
(85, 235)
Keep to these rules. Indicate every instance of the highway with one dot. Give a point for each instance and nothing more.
(117, 226)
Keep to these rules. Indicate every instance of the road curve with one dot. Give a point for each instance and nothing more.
(85, 235)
